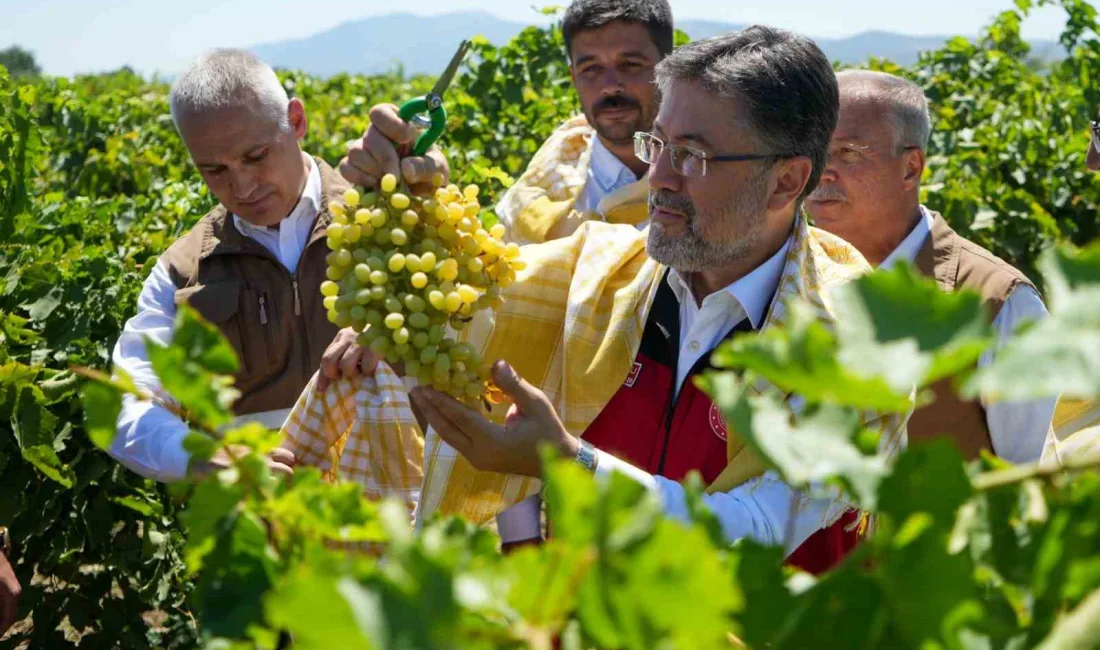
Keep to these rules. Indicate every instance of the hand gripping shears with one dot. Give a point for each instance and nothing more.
(413, 110)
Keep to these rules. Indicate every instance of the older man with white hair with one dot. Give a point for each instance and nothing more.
(870, 195)
(252, 266)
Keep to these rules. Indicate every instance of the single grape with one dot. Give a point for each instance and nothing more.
(388, 183)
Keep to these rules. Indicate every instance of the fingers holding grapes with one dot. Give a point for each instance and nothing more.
(382, 150)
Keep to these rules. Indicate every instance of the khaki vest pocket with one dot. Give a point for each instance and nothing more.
(219, 303)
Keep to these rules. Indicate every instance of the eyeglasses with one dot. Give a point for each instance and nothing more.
(850, 155)
(687, 161)
(1095, 126)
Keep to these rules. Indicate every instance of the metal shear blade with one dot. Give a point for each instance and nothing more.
(449, 73)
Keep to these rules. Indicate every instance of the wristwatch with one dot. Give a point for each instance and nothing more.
(586, 456)
(5, 541)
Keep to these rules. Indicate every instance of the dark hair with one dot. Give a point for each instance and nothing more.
(656, 15)
(783, 80)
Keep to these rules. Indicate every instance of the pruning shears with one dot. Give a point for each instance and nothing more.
(413, 110)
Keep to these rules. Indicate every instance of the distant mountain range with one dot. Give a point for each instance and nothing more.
(424, 44)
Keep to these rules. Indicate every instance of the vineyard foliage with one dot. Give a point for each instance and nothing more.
(95, 183)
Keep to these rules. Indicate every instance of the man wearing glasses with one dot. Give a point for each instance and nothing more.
(739, 141)
(870, 195)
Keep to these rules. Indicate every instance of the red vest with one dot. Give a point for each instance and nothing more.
(670, 435)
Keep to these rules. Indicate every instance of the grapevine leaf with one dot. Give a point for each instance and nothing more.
(237, 574)
(210, 504)
(45, 459)
(309, 595)
(203, 343)
(900, 325)
(803, 359)
(102, 404)
(1061, 354)
(41, 309)
(816, 447)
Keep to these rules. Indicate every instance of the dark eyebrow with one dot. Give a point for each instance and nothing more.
(581, 60)
(694, 137)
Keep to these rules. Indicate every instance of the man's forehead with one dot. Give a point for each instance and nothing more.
(862, 117)
(690, 114)
(617, 38)
(225, 134)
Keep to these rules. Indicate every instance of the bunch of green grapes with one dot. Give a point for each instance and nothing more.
(403, 269)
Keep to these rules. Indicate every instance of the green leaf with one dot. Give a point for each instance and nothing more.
(41, 309)
(102, 404)
(900, 325)
(1061, 354)
(210, 504)
(203, 343)
(237, 575)
(803, 359)
(45, 459)
(817, 446)
(927, 478)
(311, 594)
(201, 446)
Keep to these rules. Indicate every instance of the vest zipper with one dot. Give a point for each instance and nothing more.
(269, 341)
(297, 300)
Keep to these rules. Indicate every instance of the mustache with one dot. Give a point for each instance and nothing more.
(668, 200)
(615, 102)
(827, 193)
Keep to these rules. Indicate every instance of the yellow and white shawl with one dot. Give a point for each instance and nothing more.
(539, 206)
(571, 325)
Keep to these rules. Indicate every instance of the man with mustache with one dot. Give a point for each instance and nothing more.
(606, 328)
(587, 168)
(870, 195)
(252, 266)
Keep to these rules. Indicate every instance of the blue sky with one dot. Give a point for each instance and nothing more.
(69, 36)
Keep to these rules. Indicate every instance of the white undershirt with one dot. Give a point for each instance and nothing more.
(606, 173)
(150, 439)
(1018, 430)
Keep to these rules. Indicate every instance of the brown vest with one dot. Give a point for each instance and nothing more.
(957, 263)
(273, 318)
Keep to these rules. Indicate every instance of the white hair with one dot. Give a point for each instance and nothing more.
(229, 78)
(905, 100)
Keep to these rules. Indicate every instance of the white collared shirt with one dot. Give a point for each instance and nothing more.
(765, 509)
(1018, 430)
(150, 439)
(703, 326)
(606, 173)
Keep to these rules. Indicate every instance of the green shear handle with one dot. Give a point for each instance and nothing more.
(413, 110)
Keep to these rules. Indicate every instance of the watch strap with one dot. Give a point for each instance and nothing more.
(587, 457)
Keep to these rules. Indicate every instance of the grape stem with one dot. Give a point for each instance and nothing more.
(1021, 473)
(171, 407)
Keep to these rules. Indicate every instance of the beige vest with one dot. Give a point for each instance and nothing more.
(273, 318)
(957, 263)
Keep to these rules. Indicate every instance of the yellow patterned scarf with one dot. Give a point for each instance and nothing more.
(571, 325)
(539, 206)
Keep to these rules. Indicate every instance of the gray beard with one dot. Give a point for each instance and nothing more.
(691, 253)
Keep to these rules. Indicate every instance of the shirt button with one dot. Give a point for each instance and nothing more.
(694, 346)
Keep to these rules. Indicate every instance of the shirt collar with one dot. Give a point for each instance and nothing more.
(610, 172)
(754, 291)
(307, 208)
(910, 247)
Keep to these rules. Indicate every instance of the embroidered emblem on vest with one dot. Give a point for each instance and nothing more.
(633, 376)
(717, 422)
